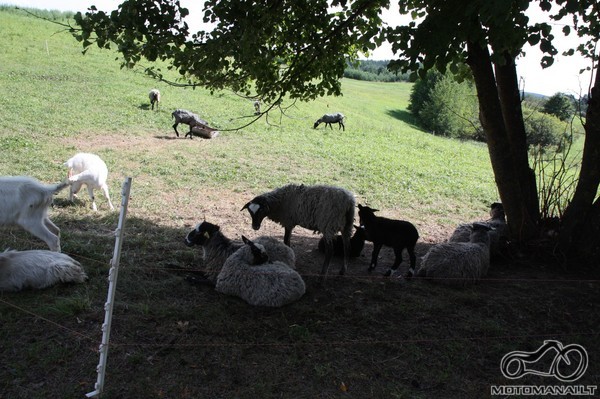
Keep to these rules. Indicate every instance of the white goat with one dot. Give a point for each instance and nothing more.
(88, 169)
(37, 269)
(154, 96)
(24, 201)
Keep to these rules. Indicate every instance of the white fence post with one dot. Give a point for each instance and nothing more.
(112, 287)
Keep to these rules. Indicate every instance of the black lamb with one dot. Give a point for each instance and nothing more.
(397, 234)
(357, 243)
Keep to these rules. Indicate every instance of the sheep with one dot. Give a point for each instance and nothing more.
(459, 262)
(154, 96)
(357, 243)
(256, 107)
(328, 119)
(498, 234)
(324, 209)
(250, 275)
(190, 119)
(397, 234)
(37, 269)
(217, 248)
(88, 169)
(24, 201)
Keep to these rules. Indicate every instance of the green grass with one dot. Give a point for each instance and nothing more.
(383, 338)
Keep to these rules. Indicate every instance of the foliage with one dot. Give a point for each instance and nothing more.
(373, 71)
(560, 105)
(543, 130)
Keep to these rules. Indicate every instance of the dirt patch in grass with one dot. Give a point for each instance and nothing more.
(357, 336)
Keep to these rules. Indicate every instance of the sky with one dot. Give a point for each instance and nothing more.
(563, 76)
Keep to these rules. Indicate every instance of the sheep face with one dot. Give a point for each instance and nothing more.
(258, 252)
(258, 210)
(201, 234)
(365, 213)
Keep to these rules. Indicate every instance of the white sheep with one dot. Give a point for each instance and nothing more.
(154, 96)
(498, 233)
(324, 209)
(250, 275)
(88, 169)
(37, 269)
(459, 262)
(328, 119)
(24, 201)
(217, 248)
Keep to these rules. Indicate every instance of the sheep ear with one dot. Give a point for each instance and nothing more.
(245, 240)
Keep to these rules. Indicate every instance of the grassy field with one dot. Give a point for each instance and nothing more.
(361, 336)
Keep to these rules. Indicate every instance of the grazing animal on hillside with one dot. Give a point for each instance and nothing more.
(88, 169)
(328, 119)
(250, 274)
(217, 248)
(154, 96)
(193, 121)
(24, 201)
(397, 234)
(459, 262)
(324, 209)
(37, 269)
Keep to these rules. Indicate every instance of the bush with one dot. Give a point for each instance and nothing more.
(543, 130)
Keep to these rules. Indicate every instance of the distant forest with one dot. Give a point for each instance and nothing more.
(375, 71)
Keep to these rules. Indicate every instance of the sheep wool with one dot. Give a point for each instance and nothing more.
(37, 269)
(459, 263)
(498, 233)
(272, 284)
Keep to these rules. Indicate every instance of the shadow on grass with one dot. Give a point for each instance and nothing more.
(404, 116)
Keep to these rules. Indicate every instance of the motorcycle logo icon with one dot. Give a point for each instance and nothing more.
(515, 364)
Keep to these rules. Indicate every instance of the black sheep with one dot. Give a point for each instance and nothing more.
(357, 243)
(397, 234)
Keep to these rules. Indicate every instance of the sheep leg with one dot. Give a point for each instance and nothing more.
(287, 236)
(51, 226)
(190, 133)
(43, 233)
(329, 123)
(413, 262)
(397, 261)
(175, 127)
(342, 126)
(75, 187)
(107, 196)
(91, 194)
(374, 256)
(328, 255)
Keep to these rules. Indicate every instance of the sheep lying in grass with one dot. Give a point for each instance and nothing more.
(37, 269)
(357, 243)
(328, 119)
(498, 233)
(88, 169)
(197, 125)
(24, 201)
(397, 234)
(325, 209)
(154, 96)
(217, 248)
(250, 275)
(459, 262)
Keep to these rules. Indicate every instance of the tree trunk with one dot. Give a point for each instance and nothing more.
(578, 218)
(510, 101)
(499, 145)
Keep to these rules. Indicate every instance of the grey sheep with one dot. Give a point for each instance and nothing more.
(37, 269)
(459, 263)
(250, 275)
(154, 97)
(217, 248)
(324, 209)
(328, 119)
(190, 119)
(498, 233)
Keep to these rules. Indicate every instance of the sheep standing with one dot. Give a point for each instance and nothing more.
(328, 119)
(397, 234)
(217, 248)
(24, 201)
(498, 233)
(250, 275)
(88, 169)
(325, 209)
(459, 262)
(37, 269)
(256, 107)
(154, 96)
(194, 122)
(357, 243)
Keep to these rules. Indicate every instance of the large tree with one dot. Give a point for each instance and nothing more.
(298, 49)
